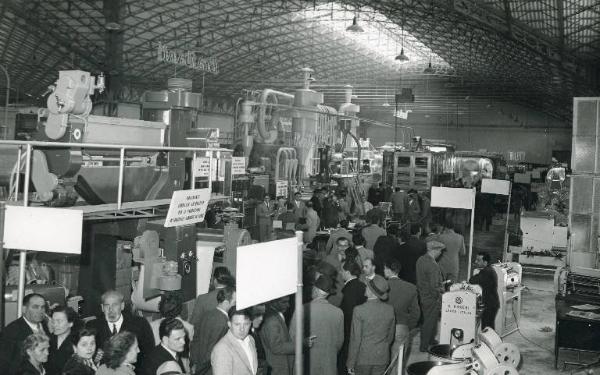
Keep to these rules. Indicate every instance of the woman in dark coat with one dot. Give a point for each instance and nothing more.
(35, 355)
(82, 360)
(61, 346)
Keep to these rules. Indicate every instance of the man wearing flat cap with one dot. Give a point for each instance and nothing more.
(324, 327)
(373, 330)
(430, 287)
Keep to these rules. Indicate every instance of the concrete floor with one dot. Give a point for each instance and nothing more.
(535, 338)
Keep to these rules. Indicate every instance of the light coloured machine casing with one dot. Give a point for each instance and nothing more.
(509, 277)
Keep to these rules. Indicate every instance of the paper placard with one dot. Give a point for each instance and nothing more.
(55, 230)
(202, 167)
(452, 197)
(281, 189)
(277, 224)
(205, 252)
(492, 186)
(238, 165)
(258, 280)
(187, 207)
(522, 178)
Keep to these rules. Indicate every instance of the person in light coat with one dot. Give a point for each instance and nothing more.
(312, 223)
(235, 353)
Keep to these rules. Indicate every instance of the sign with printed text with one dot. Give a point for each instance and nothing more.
(281, 188)
(452, 197)
(202, 167)
(187, 207)
(55, 230)
(492, 186)
(238, 165)
(257, 280)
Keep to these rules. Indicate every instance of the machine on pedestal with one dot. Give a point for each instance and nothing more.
(509, 277)
(460, 319)
(488, 355)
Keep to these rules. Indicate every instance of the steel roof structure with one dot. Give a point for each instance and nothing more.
(539, 53)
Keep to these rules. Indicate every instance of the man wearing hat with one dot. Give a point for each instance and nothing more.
(324, 327)
(430, 285)
(372, 333)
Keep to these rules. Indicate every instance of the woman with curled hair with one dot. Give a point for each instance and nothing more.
(63, 319)
(35, 354)
(120, 353)
(82, 360)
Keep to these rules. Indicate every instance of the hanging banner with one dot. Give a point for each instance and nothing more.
(452, 197)
(238, 165)
(492, 186)
(187, 207)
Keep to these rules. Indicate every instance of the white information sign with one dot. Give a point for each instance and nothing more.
(202, 167)
(55, 230)
(452, 197)
(492, 186)
(257, 280)
(238, 165)
(281, 188)
(187, 207)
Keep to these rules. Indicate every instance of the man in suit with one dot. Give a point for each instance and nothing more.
(211, 329)
(235, 353)
(404, 300)
(324, 329)
(208, 301)
(276, 339)
(372, 331)
(339, 232)
(114, 321)
(410, 251)
(172, 343)
(353, 294)
(316, 200)
(487, 279)
(13, 335)
(299, 207)
(264, 213)
(430, 284)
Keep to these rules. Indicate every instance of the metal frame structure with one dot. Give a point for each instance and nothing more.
(538, 53)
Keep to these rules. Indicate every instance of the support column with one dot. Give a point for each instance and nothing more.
(114, 24)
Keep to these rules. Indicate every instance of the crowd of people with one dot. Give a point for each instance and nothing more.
(367, 294)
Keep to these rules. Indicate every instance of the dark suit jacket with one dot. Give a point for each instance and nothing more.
(204, 302)
(353, 295)
(11, 344)
(25, 368)
(410, 252)
(157, 357)
(211, 329)
(278, 344)
(487, 279)
(75, 366)
(58, 356)
(136, 325)
(405, 301)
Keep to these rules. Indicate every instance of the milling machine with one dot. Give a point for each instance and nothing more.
(509, 277)
(460, 319)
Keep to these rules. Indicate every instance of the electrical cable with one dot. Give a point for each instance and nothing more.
(527, 339)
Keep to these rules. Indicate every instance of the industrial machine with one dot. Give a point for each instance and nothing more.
(488, 355)
(509, 276)
(460, 318)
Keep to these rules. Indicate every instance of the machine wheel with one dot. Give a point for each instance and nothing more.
(508, 354)
(502, 370)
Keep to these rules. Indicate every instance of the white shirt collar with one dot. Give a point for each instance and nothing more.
(223, 311)
(118, 323)
(350, 279)
(245, 343)
(171, 352)
(34, 327)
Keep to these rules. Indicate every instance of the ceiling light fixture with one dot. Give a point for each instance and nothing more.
(355, 27)
(402, 57)
(429, 69)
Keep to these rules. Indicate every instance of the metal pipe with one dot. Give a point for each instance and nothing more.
(2, 265)
(23, 253)
(120, 187)
(505, 251)
(27, 175)
(471, 235)
(260, 123)
(210, 174)
(299, 309)
(6, 104)
(18, 178)
(193, 183)
(115, 147)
